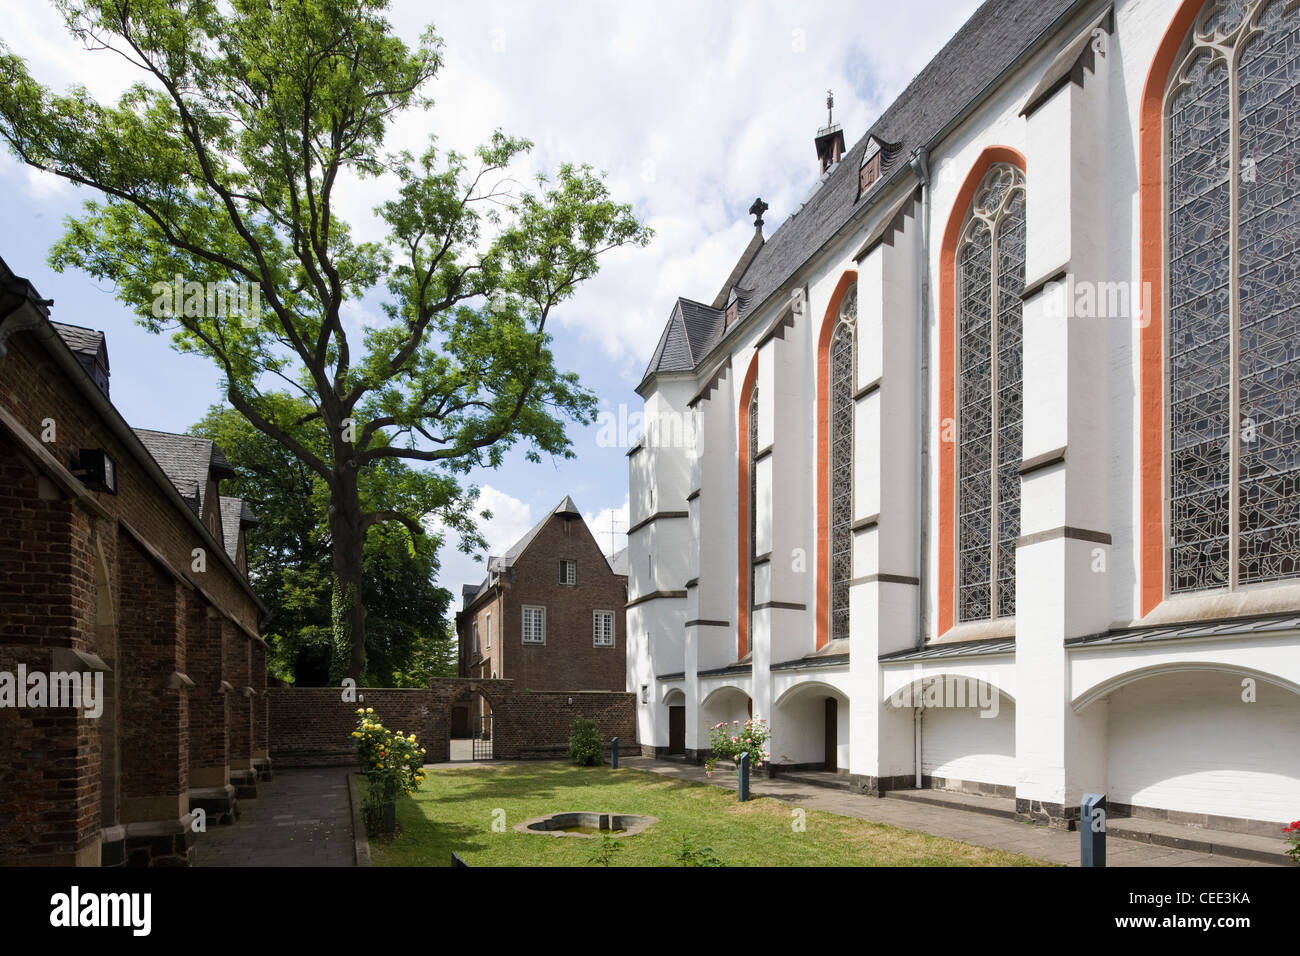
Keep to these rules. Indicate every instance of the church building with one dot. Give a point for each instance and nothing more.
(982, 471)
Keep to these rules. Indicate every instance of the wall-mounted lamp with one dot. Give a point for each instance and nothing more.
(97, 470)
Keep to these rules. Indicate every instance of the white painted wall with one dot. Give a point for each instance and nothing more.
(960, 744)
(1081, 386)
(1188, 742)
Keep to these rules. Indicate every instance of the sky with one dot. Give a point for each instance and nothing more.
(690, 109)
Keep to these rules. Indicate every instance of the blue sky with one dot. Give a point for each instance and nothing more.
(691, 109)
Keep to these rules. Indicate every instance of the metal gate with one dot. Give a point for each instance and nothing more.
(482, 737)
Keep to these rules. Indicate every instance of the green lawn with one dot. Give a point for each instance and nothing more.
(457, 807)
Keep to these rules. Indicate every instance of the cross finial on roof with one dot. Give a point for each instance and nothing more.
(757, 211)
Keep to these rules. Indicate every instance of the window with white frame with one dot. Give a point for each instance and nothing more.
(534, 625)
(473, 630)
(487, 629)
(568, 571)
(602, 628)
(1232, 370)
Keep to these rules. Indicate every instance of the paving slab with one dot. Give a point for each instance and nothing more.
(300, 818)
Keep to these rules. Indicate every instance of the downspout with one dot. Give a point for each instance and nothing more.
(920, 163)
(918, 714)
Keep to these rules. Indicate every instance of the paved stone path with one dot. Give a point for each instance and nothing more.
(1057, 846)
(300, 818)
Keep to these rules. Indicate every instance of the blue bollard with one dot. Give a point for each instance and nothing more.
(613, 754)
(1092, 830)
(742, 771)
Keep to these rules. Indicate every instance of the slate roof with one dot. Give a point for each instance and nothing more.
(90, 349)
(1228, 627)
(187, 461)
(985, 648)
(693, 328)
(618, 562)
(235, 514)
(81, 340)
(998, 33)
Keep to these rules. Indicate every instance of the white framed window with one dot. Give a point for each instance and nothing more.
(602, 628)
(534, 625)
(568, 571)
(487, 629)
(473, 630)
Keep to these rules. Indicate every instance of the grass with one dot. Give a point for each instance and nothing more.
(457, 807)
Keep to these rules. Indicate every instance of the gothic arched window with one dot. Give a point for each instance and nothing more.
(753, 495)
(1232, 127)
(990, 279)
(840, 472)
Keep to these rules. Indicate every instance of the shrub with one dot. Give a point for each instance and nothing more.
(688, 854)
(1293, 837)
(731, 740)
(602, 854)
(584, 743)
(392, 762)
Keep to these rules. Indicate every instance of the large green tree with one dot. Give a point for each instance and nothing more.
(408, 638)
(225, 163)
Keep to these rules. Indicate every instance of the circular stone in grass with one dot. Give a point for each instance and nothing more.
(587, 824)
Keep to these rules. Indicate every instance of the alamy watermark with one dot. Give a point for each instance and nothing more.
(208, 300)
(949, 690)
(60, 689)
(1072, 297)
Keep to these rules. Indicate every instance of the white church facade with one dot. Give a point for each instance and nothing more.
(982, 472)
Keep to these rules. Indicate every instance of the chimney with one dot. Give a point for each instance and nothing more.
(830, 138)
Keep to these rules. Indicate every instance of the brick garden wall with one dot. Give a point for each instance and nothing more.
(311, 726)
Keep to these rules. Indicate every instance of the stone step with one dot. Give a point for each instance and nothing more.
(954, 800)
(1243, 846)
(816, 778)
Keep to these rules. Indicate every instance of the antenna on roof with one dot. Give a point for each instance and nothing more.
(830, 106)
(613, 530)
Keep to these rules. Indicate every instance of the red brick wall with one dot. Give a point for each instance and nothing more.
(59, 776)
(33, 389)
(209, 703)
(49, 758)
(569, 659)
(151, 640)
(311, 726)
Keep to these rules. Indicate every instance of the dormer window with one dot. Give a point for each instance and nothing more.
(733, 312)
(874, 158)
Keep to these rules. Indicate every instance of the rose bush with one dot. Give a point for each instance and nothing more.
(393, 763)
(731, 740)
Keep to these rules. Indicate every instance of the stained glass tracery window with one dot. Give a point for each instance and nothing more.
(1232, 126)
(752, 439)
(990, 279)
(842, 364)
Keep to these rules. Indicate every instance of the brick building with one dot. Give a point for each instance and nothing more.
(549, 614)
(132, 675)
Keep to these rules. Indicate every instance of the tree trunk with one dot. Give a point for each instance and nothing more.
(348, 616)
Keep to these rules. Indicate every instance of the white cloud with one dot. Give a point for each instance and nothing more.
(691, 109)
(42, 186)
(511, 519)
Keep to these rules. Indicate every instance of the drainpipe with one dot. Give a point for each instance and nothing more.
(920, 163)
(917, 714)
